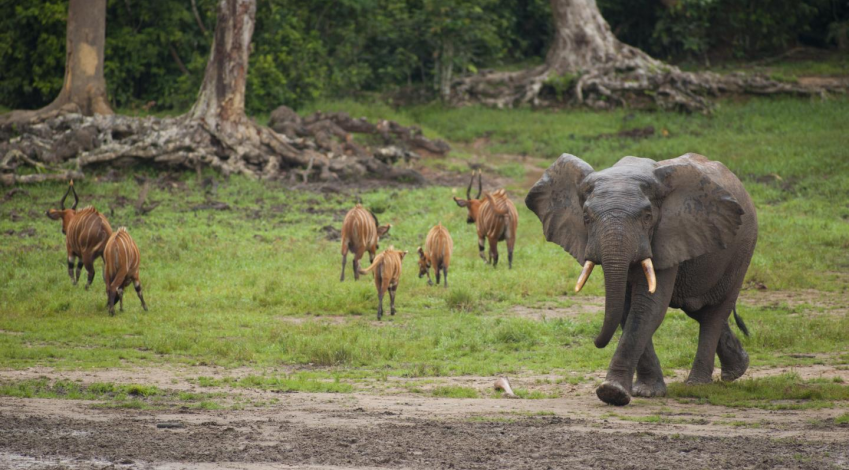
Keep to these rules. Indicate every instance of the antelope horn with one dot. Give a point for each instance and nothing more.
(76, 199)
(585, 274)
(469, 189)
(480, 185)
(648, 269)
(503, 384)
(62, 202)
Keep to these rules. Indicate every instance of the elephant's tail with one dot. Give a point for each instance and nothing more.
(740, 323)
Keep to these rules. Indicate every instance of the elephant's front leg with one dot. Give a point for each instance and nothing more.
(646, 313)
(649, 375)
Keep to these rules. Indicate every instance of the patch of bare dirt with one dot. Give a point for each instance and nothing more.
(809, 302)
(578, 305)
(361, 431)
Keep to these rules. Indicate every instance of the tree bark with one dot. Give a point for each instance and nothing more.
(600, 71)
(84, 87)
(583, 39)
(221, 100)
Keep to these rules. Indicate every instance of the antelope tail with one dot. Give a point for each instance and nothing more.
(499, 209)
(378, 260)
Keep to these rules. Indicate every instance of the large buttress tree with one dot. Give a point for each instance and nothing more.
(597, 69)
(84, 88)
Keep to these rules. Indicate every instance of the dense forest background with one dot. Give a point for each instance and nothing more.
(308, 49)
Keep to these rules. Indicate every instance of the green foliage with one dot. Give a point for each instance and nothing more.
(743, 28)
(32, 51)
(304, 50)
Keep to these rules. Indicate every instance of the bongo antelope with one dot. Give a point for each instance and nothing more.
(360, 233)
(120, 267)
(387, 272)
(439, 247)
(496, 219)
(86, 232)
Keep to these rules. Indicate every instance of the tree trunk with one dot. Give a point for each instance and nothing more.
(221, 100)
(84, 88)
(602, 72)
(583, 39)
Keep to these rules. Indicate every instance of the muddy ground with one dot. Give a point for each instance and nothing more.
(385, 425)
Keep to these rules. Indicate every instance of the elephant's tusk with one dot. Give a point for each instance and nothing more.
(585, 274)
(648, 268)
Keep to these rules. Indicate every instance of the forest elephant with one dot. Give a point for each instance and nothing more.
(676, 233)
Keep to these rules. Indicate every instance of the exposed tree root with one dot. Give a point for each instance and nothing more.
(626, 83)
(65, 145)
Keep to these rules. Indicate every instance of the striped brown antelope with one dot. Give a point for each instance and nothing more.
(120, 267)
(439, 248)
(86, 232)
(360, 233)
(387, 272)
(495, 217)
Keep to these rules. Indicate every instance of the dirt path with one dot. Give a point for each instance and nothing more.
(390, 428)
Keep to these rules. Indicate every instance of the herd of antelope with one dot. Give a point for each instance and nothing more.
(494, 216)
(89, 236)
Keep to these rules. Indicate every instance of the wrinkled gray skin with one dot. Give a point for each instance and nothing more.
(692, 218)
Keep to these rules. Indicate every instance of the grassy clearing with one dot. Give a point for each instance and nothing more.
(113, 395)
(258, 285)
(783, 392)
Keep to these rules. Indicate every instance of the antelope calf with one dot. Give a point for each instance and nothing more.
(439, 247)
(360, 233)
(387, 272)
(496, 219)
(86, 232)
(120, 267)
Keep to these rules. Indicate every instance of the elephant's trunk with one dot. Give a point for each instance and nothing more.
(616, 260)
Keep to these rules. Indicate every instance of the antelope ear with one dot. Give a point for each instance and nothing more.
(403, 254)
(461, 202)
(556, 200)
(420, 252)
(383, 230)
(697, 216)
(54, 214)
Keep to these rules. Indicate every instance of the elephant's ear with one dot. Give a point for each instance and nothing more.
(556, 200)
(698, 215)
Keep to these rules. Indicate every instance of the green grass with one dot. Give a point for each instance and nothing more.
(783, 392)
(287, 383)
(842, 419)
(453, 391)
(113, 395)
(257, 286)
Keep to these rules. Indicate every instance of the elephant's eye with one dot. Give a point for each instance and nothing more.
(586, 218)
(647, 217)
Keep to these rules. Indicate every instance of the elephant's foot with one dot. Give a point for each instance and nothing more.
(694, 379)
(613, 393)
(731, 372)
(650, 388)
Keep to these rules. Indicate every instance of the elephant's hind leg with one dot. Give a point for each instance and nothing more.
(713, 319)
(649, 375)
(732, 356)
